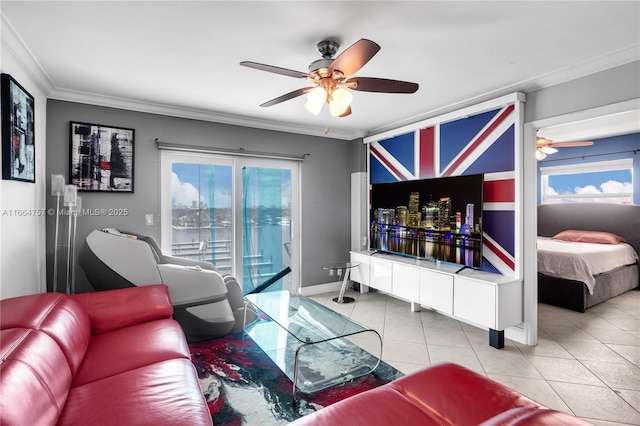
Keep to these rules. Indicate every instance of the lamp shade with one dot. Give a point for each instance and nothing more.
(57, 185)
(548, 150)
(70, 195)
(313, 108)
(340, 100)
(315, 100)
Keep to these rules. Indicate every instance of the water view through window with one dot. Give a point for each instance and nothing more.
(206, 219)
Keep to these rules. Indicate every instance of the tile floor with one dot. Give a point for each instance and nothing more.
(587, 364)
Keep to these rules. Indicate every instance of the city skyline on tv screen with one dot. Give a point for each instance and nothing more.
(431, 218)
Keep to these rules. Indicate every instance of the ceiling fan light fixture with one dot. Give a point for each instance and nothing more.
(540, 155)
(340, 101)
(317, 96)
(313, 108)
(315, 99)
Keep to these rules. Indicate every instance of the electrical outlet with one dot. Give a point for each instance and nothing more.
(148, 219)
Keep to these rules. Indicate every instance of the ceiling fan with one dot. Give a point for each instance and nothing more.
(545, 146)
(331, 78)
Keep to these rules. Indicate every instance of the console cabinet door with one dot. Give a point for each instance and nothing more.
(360, 273)
(475, 301)
(381, 275)
(436, 291)
(406, 282)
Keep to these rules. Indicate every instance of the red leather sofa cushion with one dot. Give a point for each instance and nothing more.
(164, 393)
(443, 394)
(113, 357)
(121, 308)
(34, 378)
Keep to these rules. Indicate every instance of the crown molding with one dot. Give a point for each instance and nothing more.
(191, 113)
(15, 46)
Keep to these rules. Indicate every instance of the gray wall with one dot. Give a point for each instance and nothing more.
(325, 180)
(611, 86)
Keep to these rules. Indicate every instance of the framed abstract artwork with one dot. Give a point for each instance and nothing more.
(101, 157)
(18, 143)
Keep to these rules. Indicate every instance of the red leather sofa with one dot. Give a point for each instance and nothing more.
(107, 358)
(444, 395)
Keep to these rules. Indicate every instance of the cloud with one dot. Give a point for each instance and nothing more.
(608, 187)
(183, 194)
(589, 189)
(613, 186)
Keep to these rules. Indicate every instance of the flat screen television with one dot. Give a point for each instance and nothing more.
(434, 219)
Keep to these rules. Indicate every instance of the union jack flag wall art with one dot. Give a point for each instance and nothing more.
(482, 143)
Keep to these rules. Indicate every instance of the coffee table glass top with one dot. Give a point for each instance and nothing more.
(312, 344)
(290, 310)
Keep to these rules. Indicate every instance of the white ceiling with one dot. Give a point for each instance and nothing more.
(182, 58)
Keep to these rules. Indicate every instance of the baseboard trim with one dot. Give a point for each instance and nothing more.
(312, 290)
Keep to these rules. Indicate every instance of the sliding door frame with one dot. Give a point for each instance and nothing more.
(167, 157)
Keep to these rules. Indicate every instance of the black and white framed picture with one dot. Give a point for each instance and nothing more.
(18, 143)
(101, 157)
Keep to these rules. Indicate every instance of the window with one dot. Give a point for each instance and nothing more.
(238, 213)
(598, 182)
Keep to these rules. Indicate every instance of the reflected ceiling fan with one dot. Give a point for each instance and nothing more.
(331, 78)
(545, 146)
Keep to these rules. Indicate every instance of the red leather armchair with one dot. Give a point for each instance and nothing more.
(107, 358)
(444, 395)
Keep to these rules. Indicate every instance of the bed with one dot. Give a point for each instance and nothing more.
(581, 278)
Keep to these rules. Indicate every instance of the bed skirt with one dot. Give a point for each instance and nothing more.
(575, 295)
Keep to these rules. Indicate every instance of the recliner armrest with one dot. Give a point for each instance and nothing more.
(113, 309)
(192, 284)
(164, 259)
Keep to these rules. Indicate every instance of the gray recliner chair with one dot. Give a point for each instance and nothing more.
(200, 296)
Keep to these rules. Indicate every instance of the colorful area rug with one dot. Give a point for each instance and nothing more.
(244, 387)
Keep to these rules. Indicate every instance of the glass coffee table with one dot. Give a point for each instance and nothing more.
(311, 343)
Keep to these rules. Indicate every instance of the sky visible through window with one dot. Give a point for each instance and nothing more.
(188, 178)
(603, 182)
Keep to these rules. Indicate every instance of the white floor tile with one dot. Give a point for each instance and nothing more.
(507, 364)
(564, 370)
(616, 376)
(537, 389)
(588, 351)
(411, 353)
(585, 363)
(463, 356)
(630, 353)
(596, 402)
(446, 337)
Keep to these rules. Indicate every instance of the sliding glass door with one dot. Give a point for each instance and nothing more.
(240, 214)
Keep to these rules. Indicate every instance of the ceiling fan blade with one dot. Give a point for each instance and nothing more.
(355, 57)
(569, 144)
(274, 69)
(287, 96)
(383, 85)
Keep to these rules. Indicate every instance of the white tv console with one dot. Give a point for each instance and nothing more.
(476, 297)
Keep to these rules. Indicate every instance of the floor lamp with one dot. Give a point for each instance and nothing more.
(70, 200)
(75, 210)
(57, 189)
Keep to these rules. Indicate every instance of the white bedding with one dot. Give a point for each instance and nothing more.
(581, 261)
